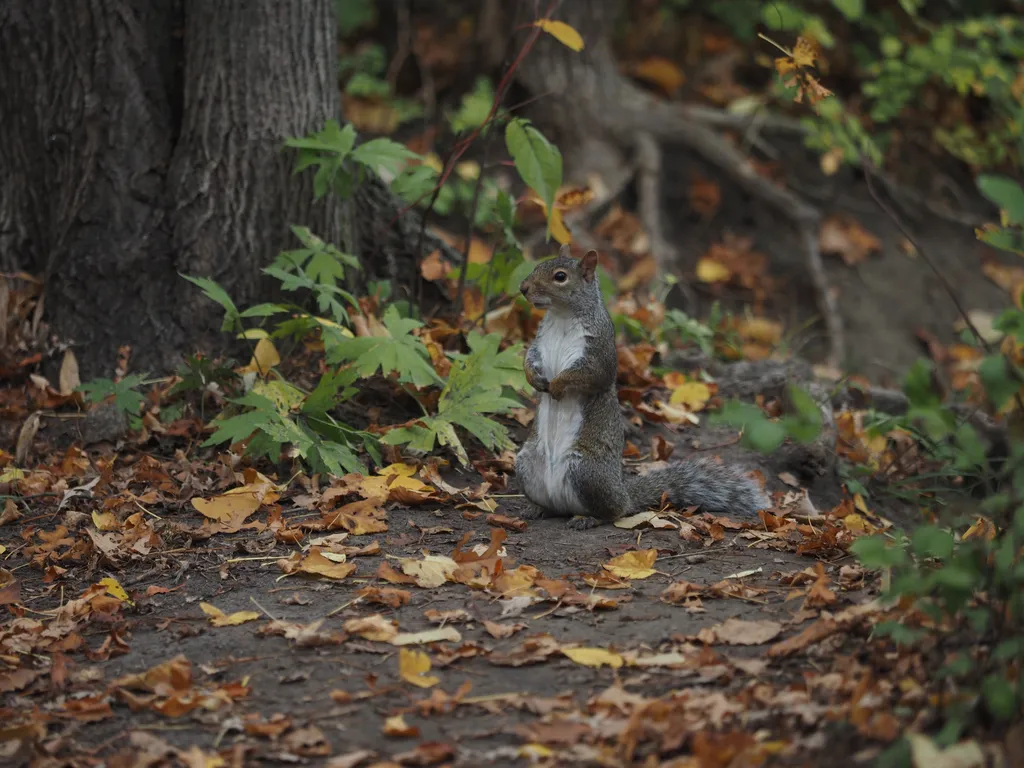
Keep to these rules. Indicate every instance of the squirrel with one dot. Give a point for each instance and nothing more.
(571, 463)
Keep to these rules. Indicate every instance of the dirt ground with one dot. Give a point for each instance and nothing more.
(334, 700)
(505, 700)
(888, 302)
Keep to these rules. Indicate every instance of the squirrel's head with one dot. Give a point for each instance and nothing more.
(562, 282)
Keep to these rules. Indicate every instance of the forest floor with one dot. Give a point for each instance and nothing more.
(694, 630)
(430, 626)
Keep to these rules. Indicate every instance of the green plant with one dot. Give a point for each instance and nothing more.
(960, 571)
(125, 394)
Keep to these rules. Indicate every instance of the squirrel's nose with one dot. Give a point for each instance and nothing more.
(523, 288)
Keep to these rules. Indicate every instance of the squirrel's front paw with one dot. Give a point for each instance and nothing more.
(582, 523)
(557, 388)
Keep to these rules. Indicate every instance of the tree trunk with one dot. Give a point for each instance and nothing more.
(143, 138)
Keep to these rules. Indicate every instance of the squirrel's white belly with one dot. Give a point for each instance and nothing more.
(561, 341)
(558, 425)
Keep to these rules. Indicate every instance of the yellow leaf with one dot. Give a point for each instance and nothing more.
(264, 357)
(430, 572)
(238, 503)
(594, 657)
(315, 564)
(396, 726)
(115, 590)
(468, 170)
(711, 271)
(693, 394)
(635, 564)
(254, 333)
(105, 521)
(660, 71)
(805, 52)
(558, 228)
(534, 752)
(982, 528)
(562, 32)
(393, 480)
(760, 329)
(413, 667)
(220, 619)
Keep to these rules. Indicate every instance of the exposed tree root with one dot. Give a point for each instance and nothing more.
(589, 98)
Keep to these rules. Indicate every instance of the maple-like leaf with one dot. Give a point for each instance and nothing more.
(398, 351)
(474, 389)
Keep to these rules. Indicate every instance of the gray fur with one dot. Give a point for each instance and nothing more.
(592, 467)
(703, 483)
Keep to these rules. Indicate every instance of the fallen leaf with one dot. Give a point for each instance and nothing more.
(660, 72)
(68, 378)
(220, 619)
(430, 572)
(635, 564)
(594, 657)
(375, 628)
(413, 667)
(315, 564)
(396, 726)
(744, 632)
(441, 634)
(845, 236)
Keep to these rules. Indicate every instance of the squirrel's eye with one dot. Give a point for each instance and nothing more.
(561, 277)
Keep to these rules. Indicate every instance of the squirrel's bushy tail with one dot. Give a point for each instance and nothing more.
(704, 483)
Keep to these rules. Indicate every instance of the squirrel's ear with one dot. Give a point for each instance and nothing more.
(588, 264)
(565, 251)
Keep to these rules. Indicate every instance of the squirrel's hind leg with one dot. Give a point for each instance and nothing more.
(599, 487)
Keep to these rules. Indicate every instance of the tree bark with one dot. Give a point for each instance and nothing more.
(143, 138)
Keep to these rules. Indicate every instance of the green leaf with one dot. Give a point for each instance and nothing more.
(213, 291)
(901, 634)
(758, 432)
(1009, 649)
(957, 576)
(519, 274)
(336, 458)
(853, 10)
(126, 398)
(876, 552)
(475, 106)
(263, 310)
(537, 160)
(383, 153)
(1005, 193)
(1000, 384)
(1011, 322)
(805, 425)
(234, 429)
(414, 182)
(325, 396)
(931, 541)
(957, 666)
(764, 436)
(918, 385)
(400, 352)
(1000, 696)
(332, 139)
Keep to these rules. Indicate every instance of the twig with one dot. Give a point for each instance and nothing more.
(255, 602)
(869, 172)
(469, 230)
(503, 85)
